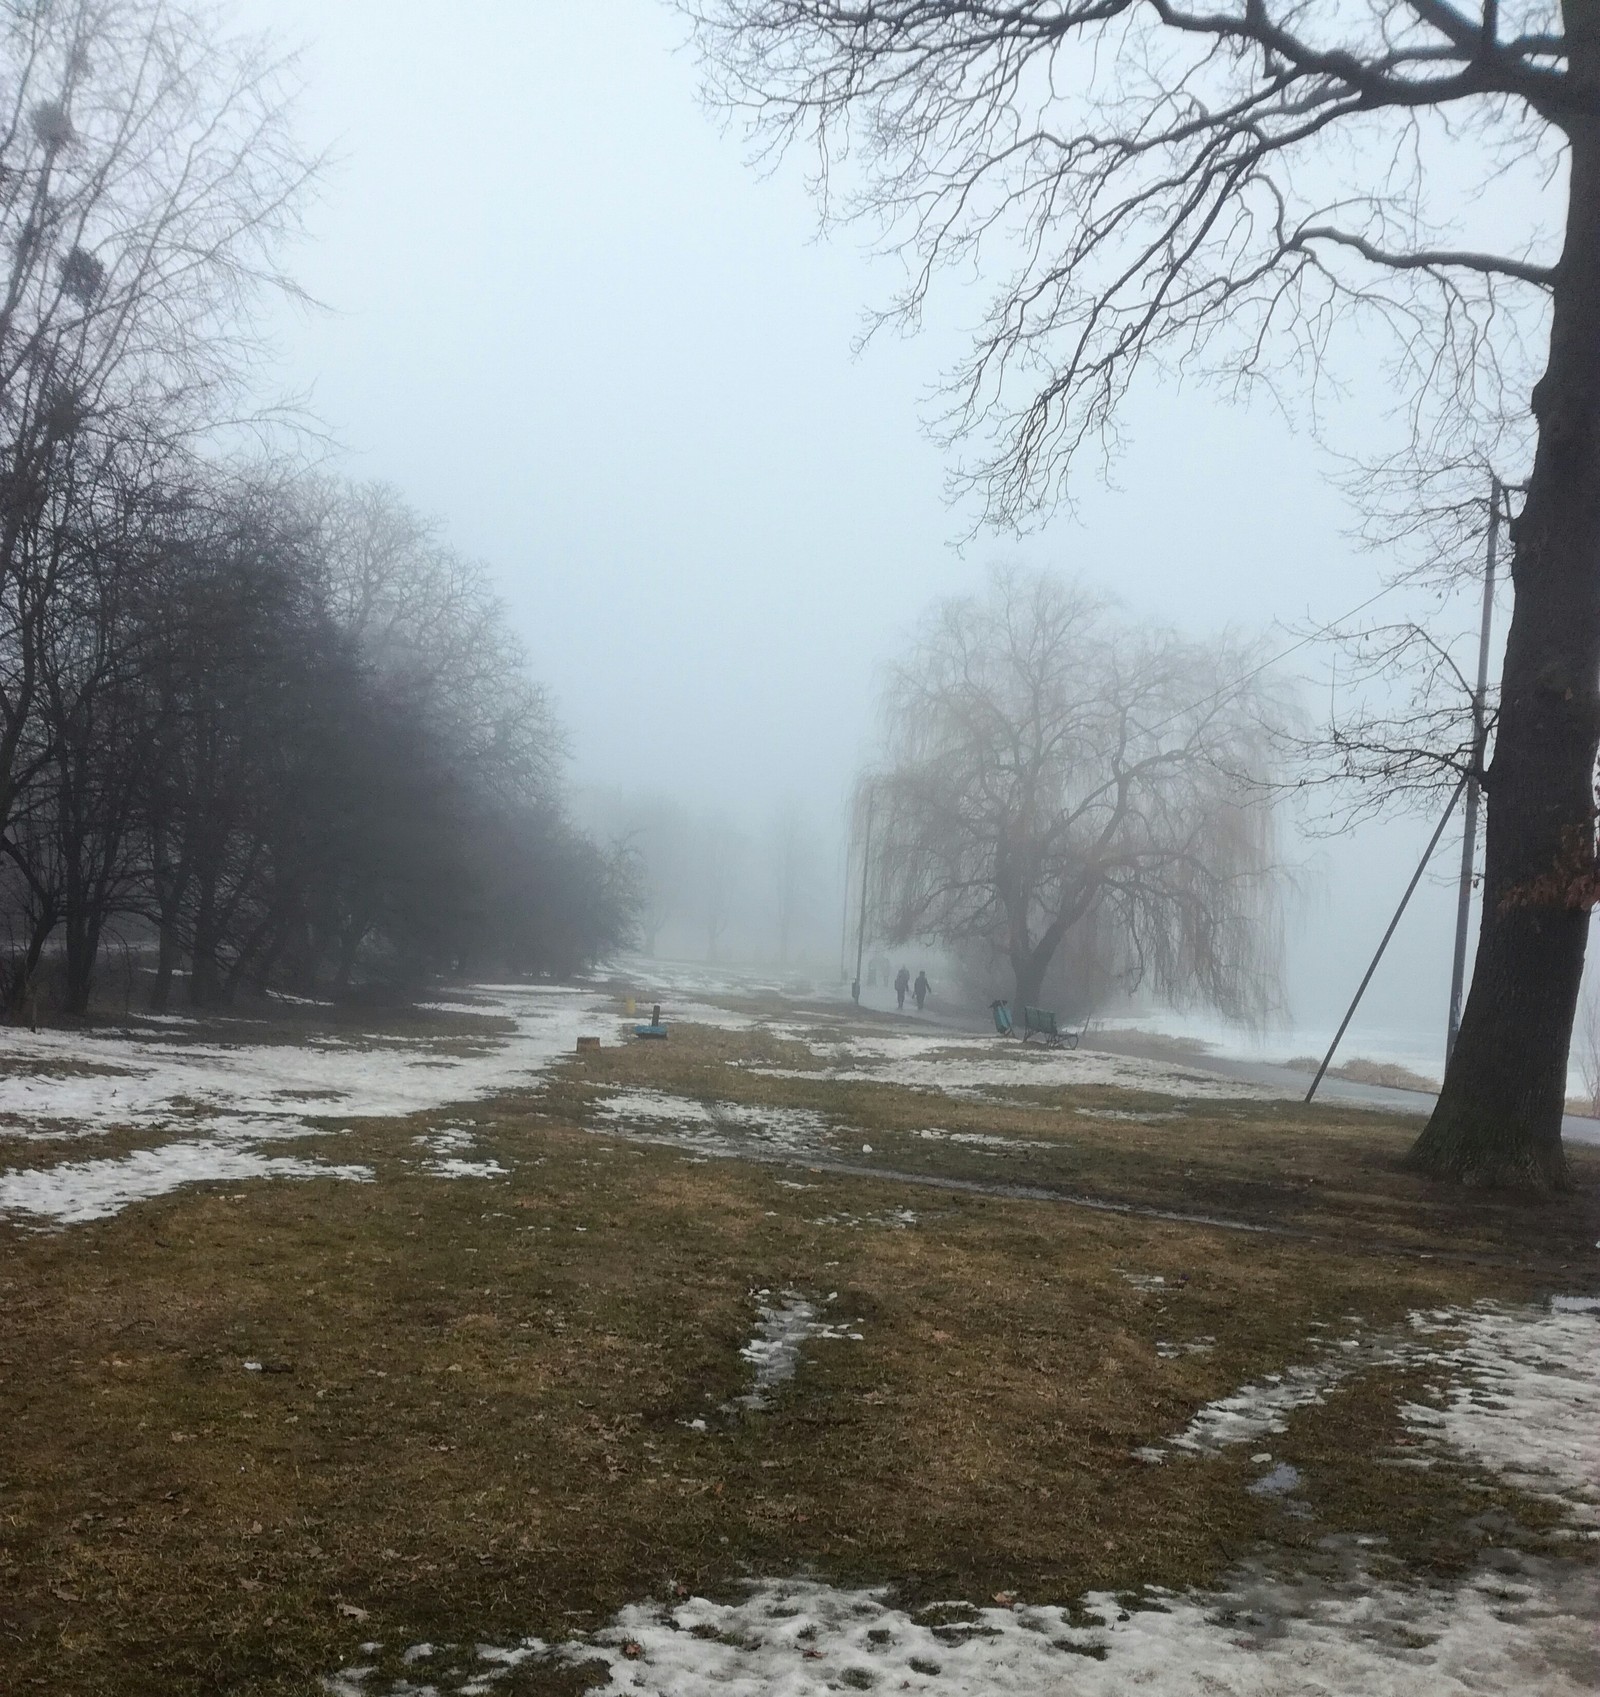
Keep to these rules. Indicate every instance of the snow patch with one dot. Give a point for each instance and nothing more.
(1524, 1397)
(784, 1324)
(454, 1167)
(1267, 1638)
(895, 1219)
(959, 1067)
(227, 1100)
(1520, 1394)
(722, 1128)
(76, 1192)
(983, 1139)
(1170, 1351)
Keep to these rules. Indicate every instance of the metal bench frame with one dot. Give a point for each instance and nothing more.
(1041, 1023)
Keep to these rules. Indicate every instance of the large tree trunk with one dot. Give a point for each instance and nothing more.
(1028, 969)
(1498, 1121)
(83, 946)
(167, 953)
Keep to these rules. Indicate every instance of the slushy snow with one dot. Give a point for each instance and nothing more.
(223, 1106)
(1522, 1398)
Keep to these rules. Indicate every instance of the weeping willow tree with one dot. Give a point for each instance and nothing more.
(1048, 769)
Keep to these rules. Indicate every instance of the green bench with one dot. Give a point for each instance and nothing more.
(1041, 1023)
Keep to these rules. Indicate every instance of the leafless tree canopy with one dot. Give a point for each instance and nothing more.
(1142, 181)
(1048, 766)
(1235, 189)
(278, 726)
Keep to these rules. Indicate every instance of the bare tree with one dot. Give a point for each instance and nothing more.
(1239, 187)
(1047, 768)
(661, 834)
(148, 179)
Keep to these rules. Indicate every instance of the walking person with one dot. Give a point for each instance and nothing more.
(922, 989)
(902, 983)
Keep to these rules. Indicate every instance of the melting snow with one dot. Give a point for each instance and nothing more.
(721, 1128)
(785, 1323)
(1169, 1351)
(959, 1067)
(454, 1167)
(74, 1192)
(449, 1144)
(984, 1139)
(801, 1638)
(896, 1219)
(1530, 1629)
(1524, 1397)
(1522, 1394)
(229, 1100)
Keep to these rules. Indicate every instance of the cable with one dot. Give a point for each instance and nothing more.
(1277, 659)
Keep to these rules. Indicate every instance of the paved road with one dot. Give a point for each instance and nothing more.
(1289, 1080)
(1293, 1082)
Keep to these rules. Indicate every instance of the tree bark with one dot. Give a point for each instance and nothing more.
(1498, 1119)
(24, 982)
(83, 947)
(167, 953)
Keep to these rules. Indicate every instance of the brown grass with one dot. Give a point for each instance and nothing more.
(478, 1425)
(1358, 1070)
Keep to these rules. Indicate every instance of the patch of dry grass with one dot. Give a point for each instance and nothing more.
(1358, 1070)
(473, 1418)
(1326, 1169)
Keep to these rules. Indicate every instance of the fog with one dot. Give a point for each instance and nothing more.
(561, 311)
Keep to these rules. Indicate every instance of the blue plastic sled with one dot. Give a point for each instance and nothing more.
(1002, 1017)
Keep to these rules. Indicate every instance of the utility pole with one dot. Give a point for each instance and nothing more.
(1469, 832)
(861, 930)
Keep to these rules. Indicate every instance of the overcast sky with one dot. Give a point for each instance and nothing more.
(567, 317)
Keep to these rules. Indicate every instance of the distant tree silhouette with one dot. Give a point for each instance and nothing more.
(1144, 181)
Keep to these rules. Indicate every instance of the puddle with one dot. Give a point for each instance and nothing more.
(1279, 1482)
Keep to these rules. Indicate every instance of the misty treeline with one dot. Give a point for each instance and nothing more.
(711, 887)
(265, 725)
(1075, 802)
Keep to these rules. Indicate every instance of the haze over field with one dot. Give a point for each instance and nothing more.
(568, 318)
(705, 706)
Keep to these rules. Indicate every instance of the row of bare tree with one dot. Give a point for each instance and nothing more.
(285, 733)
(266, 723)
